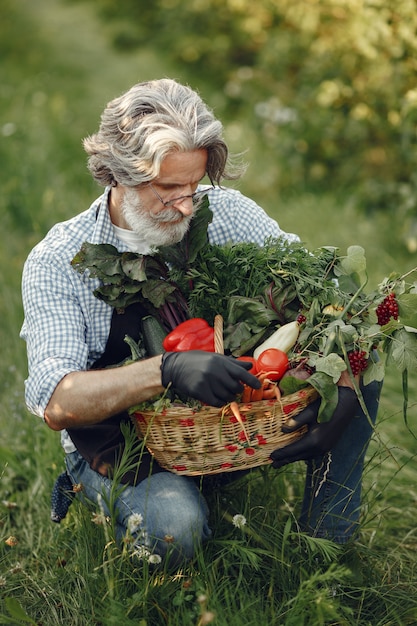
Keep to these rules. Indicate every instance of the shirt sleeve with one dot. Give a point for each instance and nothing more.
(237, 218)
(54, 329)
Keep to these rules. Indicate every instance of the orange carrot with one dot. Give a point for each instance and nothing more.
(247, 394)
(234, 407)
(257, 394)
(269, 393)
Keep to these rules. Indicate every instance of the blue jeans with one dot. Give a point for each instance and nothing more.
(332, 494)
(171, 514)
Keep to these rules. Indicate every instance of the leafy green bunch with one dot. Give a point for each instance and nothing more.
(258, 289)
(125, 278)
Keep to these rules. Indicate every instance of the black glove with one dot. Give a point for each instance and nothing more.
(212, 378)
(320, 438)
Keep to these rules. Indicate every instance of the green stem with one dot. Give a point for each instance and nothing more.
(352, 300)
(408, 273)
(331, 340)
(134, 348)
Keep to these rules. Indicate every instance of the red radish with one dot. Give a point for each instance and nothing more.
(300, 372)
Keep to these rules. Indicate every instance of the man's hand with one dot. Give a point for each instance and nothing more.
(212, 378)
(320, 438)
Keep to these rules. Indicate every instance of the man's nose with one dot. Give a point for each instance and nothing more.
(185, 206)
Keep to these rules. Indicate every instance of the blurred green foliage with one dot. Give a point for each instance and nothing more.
(329, 85)
(37, 114)
(57, 71)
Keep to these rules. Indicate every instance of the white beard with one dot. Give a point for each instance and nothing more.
(160, 229)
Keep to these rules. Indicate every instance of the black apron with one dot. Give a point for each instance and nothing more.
(102, 444)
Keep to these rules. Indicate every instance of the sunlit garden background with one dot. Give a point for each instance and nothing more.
(321, 97)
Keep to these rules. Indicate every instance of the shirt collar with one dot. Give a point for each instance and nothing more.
(103, 231)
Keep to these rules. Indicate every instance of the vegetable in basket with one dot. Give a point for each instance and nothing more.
(272, 362)
(213, 378)
(193, 334)
(260, 290)
(282, 339)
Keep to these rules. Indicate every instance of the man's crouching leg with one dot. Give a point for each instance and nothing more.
(164, 517)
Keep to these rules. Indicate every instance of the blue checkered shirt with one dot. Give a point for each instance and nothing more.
(66, 327)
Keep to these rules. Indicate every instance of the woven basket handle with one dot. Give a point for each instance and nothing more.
(218, 334)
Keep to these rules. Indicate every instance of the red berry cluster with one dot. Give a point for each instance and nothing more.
(386, 309)
(358, 361)
(301, 318)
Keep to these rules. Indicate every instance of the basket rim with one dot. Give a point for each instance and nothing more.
(259, 406)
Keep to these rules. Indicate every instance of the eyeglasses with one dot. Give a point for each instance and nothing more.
(196, 196)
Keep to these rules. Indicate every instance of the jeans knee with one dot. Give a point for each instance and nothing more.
(182, 539)
(183, 531)
(175, 517)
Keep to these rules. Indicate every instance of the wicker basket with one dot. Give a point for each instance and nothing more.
(211, 440)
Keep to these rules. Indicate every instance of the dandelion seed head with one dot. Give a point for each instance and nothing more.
(134, 522)
(239, 520)
(154, 559)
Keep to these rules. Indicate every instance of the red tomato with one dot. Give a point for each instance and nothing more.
(249, 359)
(272, 362)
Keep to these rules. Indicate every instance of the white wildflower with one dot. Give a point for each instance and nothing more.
(3, 581)
(239, 520)
(154, 559)
(140, 552)
(134, 522)
(16, 568)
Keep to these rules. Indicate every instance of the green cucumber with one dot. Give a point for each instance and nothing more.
(153, 335)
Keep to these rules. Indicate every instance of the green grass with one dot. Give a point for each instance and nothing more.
(57, 73)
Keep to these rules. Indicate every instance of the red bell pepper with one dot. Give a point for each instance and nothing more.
(193, 334)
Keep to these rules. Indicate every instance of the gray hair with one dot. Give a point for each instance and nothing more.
(141, 127)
